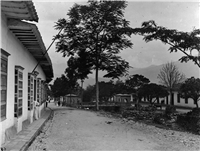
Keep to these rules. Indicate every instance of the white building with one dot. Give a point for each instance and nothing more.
(22, 48)
(178, 101)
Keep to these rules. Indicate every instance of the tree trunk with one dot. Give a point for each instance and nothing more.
(97, 90)
(70, 98)
(170, 97)
(81, 91)
(196, 102)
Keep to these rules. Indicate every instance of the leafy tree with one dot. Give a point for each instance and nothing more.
(105, 90)
(100, 29)
(170, 77)
(185, 42)
(60, 87)
(191, 89)
(88, 94)
(119, 87)
(151, 91)
(79, 66)
(133, 82)
(72, 77)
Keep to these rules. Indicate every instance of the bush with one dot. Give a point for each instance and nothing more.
(190, 120)
(159, 119)
(169, 111)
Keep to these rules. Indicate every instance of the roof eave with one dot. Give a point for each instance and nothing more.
(29, 35)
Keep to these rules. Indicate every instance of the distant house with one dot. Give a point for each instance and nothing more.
(122, 98)
(22, 48)
(176, 99)
(72, 99)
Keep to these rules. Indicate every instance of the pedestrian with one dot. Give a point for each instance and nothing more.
(35, 112)
(47, 103)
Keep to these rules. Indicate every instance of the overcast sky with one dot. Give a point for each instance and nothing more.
(180, 15)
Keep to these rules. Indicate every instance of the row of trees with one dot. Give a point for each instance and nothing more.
(94, 34)
(141, 88)
(137, 85)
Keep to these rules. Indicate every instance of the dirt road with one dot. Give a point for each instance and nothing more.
(73, 129)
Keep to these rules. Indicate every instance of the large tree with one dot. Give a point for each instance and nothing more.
(100, 29)
(133, 83)
(152, 91)
(185, 42)
(106, 90)
(60, 86)
(88, 93)
(119, 87)
(170, 77)
(79, 68)
(191, 89)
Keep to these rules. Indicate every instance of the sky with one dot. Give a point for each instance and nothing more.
(174, 14)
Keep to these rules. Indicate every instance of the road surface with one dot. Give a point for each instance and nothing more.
(74, 129)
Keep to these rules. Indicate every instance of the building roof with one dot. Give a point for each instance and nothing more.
(23, 10)
(27, 33)
(123, 95)
(30, 37)
(72, 95)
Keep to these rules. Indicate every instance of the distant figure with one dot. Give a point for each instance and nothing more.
(35, 107)
(47, 103)
(59, 103)
(38, 108)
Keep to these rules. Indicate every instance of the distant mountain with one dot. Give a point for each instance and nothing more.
(151, 72)
(91, 81)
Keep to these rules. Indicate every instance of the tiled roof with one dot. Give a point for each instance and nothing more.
(22, 10)
(30, 37)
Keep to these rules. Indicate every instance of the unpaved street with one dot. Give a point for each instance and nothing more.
(73, 129)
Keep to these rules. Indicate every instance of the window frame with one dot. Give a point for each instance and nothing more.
(18, 107)
(30, 91)
(4, 84)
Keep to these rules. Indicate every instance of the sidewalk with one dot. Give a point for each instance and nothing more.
(23, 139)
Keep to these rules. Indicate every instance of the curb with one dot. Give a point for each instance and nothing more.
(27, 144)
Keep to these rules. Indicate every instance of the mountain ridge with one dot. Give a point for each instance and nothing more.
(151, 72)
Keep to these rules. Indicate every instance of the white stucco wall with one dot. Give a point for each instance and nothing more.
(21, 57)
(182, 101)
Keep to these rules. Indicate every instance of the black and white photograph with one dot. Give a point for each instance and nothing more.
(100, 75)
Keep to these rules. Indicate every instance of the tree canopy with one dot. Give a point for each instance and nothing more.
(185, 42)
(152, 91)
(101, 31)
(134, 82)
(191, 89)
(60, 87)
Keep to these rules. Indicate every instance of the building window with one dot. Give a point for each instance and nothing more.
(42, 91)
(167, 101)
(39, 90)
(178, 98)
(4, 72)
(18, 91)
(30, 91)
(186, 100)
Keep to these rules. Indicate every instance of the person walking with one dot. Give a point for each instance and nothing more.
(35, 112)
(47, 101)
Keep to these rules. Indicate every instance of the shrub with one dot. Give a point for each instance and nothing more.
(190, 120)
(169, 111)
(159, 119)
